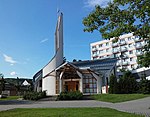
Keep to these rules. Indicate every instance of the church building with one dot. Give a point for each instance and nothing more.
(88, 77)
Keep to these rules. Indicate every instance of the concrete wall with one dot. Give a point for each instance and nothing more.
(49, 84)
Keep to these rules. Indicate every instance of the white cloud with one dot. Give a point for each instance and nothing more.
(93, 3)
(44, 40)
(13, 73)
(9, 59)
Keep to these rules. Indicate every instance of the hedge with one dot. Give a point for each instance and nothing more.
(34, 95)
(73, 95)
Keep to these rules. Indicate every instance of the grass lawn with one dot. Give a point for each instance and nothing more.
(66, 112)
(11, 98)
(115, 98)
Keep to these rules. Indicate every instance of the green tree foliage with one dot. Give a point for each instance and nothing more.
(34, 95)
(144, 60)
(113, 85)
(2, 83)
(1, 75)
(31, 87)
(18, 85)
(121, 17)
(127, 83)
(145, 86)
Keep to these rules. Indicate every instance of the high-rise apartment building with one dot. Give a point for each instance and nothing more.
(126, 49)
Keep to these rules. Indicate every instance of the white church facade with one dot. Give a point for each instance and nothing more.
(88, 77)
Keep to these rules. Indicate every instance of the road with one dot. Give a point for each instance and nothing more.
(140, 106)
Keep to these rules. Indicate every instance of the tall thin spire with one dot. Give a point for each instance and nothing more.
(58, 8)
(58, 12)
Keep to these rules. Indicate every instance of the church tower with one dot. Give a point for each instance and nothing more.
(59, 40)
(49, 73)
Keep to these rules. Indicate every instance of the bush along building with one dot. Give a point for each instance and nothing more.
(126, 50)
(88, 77)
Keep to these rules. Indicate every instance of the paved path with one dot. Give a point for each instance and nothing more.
(140, 106)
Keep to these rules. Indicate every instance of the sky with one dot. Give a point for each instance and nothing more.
(27, 30)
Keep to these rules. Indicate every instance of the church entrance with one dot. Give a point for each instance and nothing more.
(71, 85)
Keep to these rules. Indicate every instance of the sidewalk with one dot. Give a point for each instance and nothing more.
(140, 106)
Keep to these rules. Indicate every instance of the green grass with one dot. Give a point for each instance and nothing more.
(115, 98)
(11, 98)
(66, 112)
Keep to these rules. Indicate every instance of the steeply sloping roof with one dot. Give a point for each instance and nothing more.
(25, 83)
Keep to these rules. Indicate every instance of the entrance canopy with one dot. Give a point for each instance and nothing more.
(69, 71)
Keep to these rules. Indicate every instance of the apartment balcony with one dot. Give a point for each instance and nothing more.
(125, 56)
(131, 47)
(122, 43)
(133, 62)
(118, 64)
(116, 51)
(138, 39)
(139, 53)
(125, 63)
(138, 46)
(94, 55)
(114, 44)
(95, 58)
(111, 56)
(123, 49)
(94, 49)
(116, 56)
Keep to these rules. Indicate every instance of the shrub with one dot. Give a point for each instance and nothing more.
(145, 86)
(113, 85)
(127, 84)
(34, 95)
(73, 95)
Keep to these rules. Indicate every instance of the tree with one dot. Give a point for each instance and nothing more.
(31, 87)
(145, 86)
(2, 82)
(121, 17)
(113, 85)
(127, 83)
(74, 60)
(18, 86)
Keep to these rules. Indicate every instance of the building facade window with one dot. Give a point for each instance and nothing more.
(130, 52)
(89, 85)
(132, 66)
(95, 52)
(107, 44)
(130, 45)
(100, 51)
(129, 38)
(107, 50)
(100, 45)
(138, 50)
(93, 47)
(122, 40)
(137, 37)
